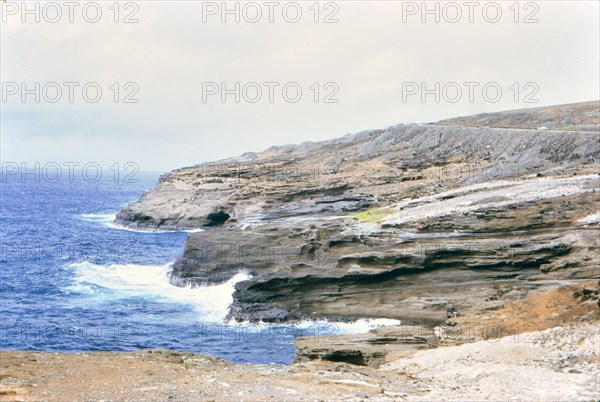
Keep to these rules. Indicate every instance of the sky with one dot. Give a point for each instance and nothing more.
(155, 82)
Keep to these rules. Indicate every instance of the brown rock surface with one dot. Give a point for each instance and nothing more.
(396, 223)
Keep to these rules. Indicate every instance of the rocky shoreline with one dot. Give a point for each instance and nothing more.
(396, 223)
(523, 349)
(399, 223)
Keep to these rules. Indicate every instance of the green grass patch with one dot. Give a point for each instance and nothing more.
(372, 215)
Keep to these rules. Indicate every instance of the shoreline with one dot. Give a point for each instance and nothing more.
(562, 348)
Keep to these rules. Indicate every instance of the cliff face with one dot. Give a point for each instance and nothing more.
(398, 223)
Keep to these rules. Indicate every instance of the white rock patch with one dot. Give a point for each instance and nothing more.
(553, 364)
(590, 219)
(488, 195)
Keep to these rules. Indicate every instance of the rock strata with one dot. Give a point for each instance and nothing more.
(401, 222)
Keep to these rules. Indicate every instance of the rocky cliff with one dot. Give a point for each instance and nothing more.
(400, 222)
(572, 117)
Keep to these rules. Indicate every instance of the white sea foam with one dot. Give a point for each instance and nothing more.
(354, 327)
(105, 283)
(325, 328)
(98, 217)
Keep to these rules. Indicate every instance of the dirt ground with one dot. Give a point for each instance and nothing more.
(163, 376)
(537, 312)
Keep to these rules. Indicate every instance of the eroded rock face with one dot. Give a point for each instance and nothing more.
(395, 223)
(369, 349)
(343, 270)
(355, 172)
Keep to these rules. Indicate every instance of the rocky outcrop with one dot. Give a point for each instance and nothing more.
(556, 307)
(397, 223)
(371, 168)
(373, 348)
(584, 116)
(347, 270)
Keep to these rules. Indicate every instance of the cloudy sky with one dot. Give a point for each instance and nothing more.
(364, 68)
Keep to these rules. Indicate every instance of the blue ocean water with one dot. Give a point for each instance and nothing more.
(72, 281)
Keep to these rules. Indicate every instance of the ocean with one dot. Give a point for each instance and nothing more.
(72, 281)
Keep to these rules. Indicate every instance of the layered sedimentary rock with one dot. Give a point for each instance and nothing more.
(373, 348)
(397, 223)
